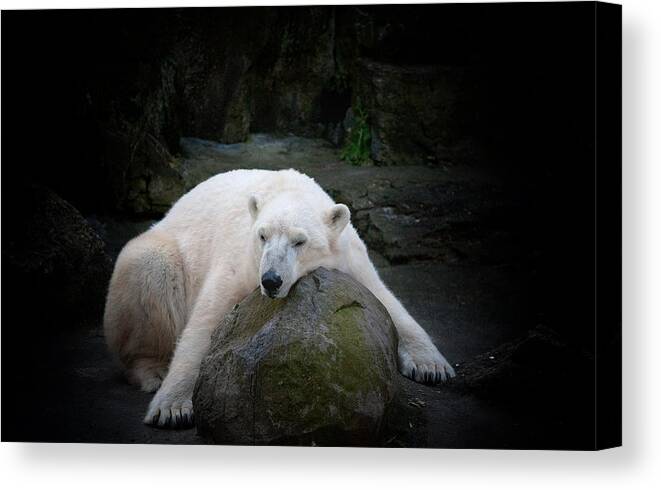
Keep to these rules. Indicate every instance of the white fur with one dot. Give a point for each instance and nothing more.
(173, 284)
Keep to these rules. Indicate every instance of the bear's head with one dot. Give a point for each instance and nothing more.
(292, 237)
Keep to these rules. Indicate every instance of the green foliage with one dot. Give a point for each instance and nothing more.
(356, 150)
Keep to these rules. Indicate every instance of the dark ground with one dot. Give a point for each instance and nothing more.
(478, 200)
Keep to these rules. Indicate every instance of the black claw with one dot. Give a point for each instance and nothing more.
(167, 420)
(413, 374)
(154, 419)
(176, 421)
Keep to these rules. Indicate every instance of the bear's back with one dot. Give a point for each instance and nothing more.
(222, 200)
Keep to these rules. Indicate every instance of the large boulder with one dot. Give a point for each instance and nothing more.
(55, 267)
(315, 368)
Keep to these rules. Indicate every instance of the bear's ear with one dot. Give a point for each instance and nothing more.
(253, 207)
(337, 218)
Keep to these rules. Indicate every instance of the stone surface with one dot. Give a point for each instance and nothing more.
(316, 368)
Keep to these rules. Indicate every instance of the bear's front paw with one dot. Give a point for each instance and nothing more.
(170, 412)
(422, 362)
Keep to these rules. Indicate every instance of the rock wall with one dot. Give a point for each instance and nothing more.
(125, 85)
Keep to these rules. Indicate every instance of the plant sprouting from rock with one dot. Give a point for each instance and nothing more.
(356, 149)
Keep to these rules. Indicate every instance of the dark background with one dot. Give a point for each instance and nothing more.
(95, 104)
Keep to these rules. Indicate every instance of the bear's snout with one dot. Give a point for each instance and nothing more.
(271, 282)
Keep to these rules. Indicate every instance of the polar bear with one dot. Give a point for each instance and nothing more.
(235, 232)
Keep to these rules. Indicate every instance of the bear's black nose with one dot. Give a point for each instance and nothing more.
(271, 282)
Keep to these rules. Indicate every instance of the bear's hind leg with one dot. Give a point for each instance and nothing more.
(146, 308)
(147, 373)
